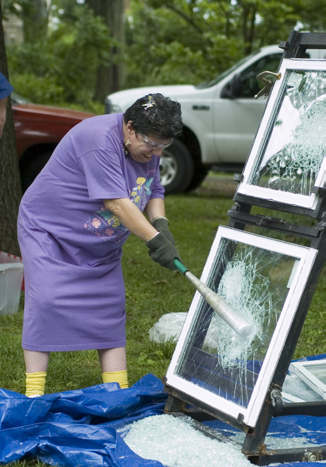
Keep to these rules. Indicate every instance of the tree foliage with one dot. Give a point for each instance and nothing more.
(65, 60)
(87, 52)
(188, 41)
(34, 16)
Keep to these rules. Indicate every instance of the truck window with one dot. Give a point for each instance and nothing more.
(250, 85)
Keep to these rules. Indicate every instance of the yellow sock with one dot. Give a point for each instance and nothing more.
(35, 384)
(120, 377)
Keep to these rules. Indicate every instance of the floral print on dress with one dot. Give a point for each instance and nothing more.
(141, 192)
(106, 225)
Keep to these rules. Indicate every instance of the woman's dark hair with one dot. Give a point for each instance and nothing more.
(155, 115)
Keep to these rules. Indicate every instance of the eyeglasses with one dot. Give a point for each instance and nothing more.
(153, 144)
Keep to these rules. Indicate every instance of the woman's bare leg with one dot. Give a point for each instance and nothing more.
(36, 361)
(36, 364)
(114, 366)
(113, 359)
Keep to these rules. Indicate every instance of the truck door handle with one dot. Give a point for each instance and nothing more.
(200, 107)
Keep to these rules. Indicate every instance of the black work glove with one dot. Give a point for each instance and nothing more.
(162, 251)
(162, 225)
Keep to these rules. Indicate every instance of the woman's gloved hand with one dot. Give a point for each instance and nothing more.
(162, 225)
(163, 251)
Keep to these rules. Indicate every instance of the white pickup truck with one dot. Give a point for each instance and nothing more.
(220, 120)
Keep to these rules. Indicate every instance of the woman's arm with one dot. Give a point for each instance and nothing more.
(155, 208)
(131, 217)
(161, 248)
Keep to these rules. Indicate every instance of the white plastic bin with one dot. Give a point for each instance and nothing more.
(11, 278)
(9, 258)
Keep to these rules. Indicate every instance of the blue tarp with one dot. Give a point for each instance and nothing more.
(79, 428)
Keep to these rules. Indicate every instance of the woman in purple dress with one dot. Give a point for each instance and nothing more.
(73, 221)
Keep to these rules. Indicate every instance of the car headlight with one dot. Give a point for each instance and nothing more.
(111, 108)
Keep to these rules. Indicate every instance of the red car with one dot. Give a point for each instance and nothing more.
(39, 128)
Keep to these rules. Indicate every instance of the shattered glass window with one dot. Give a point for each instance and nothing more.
(296, 146)
(255, 283)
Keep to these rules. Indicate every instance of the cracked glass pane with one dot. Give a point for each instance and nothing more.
(319, 371)
(291, 159)
(255, 283)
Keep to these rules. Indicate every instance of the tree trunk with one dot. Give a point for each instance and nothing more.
(110, 77)
(35, 17)
(10, 188)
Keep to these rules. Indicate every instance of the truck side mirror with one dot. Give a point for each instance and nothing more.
(233, 88)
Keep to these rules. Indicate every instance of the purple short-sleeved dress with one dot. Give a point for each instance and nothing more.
(71, 245)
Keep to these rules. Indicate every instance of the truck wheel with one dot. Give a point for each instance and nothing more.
(32, 167)
(176, 168)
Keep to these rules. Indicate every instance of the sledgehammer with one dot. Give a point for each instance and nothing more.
(219, 305)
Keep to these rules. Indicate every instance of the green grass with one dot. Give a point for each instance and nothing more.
(151, 291)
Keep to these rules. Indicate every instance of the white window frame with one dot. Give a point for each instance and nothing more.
(286, 198)
(305, 259)
(302, 370)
